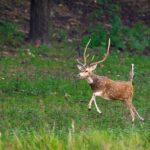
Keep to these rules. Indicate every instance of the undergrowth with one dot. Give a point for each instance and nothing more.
(126, 38)
(9, 34)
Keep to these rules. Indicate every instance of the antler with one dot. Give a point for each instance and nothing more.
(105, 56)
(97, 62)
(80, 62)
(84, 56)
(85, 51)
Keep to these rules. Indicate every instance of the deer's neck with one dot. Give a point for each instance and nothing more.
(92, 78)
(96, 82)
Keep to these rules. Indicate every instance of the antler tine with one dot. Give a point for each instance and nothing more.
(80, 62)
(85, 51)
(105, 56)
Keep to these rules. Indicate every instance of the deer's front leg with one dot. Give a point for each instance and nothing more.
(90, 103)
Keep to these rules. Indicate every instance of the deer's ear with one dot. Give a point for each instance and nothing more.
(93, 67)
(79, 67)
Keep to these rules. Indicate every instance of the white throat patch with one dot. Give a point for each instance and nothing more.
(89, 80)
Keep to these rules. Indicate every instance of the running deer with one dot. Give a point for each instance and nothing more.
(106, 88)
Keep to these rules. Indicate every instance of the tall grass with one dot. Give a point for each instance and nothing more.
(89, 140)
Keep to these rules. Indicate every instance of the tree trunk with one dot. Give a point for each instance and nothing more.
(39, 17)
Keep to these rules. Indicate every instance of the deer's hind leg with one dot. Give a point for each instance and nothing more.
(141, 118)
(133, 111)
(131, 108)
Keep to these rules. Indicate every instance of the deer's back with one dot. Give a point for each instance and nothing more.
(119, 90)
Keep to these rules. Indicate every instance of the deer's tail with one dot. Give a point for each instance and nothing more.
(131, 73)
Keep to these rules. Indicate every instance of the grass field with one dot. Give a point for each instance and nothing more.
(44, 106)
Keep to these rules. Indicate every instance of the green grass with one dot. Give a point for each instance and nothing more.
(39, 94)
(41, 98)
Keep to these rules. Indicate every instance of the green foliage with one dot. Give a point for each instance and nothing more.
(122, 37)
(9, 34)
(63, 35)
(98, 37)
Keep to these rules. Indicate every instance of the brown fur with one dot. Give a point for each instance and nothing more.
(113, 90)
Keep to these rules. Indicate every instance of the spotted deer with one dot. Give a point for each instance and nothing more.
(106, 88)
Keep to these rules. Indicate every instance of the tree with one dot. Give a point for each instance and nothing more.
(39, 18)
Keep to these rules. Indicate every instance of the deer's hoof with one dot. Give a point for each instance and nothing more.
(132, 121)
(89, 109)
(100, 113)
(143, 119)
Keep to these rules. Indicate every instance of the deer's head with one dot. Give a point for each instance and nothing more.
(87, 69)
